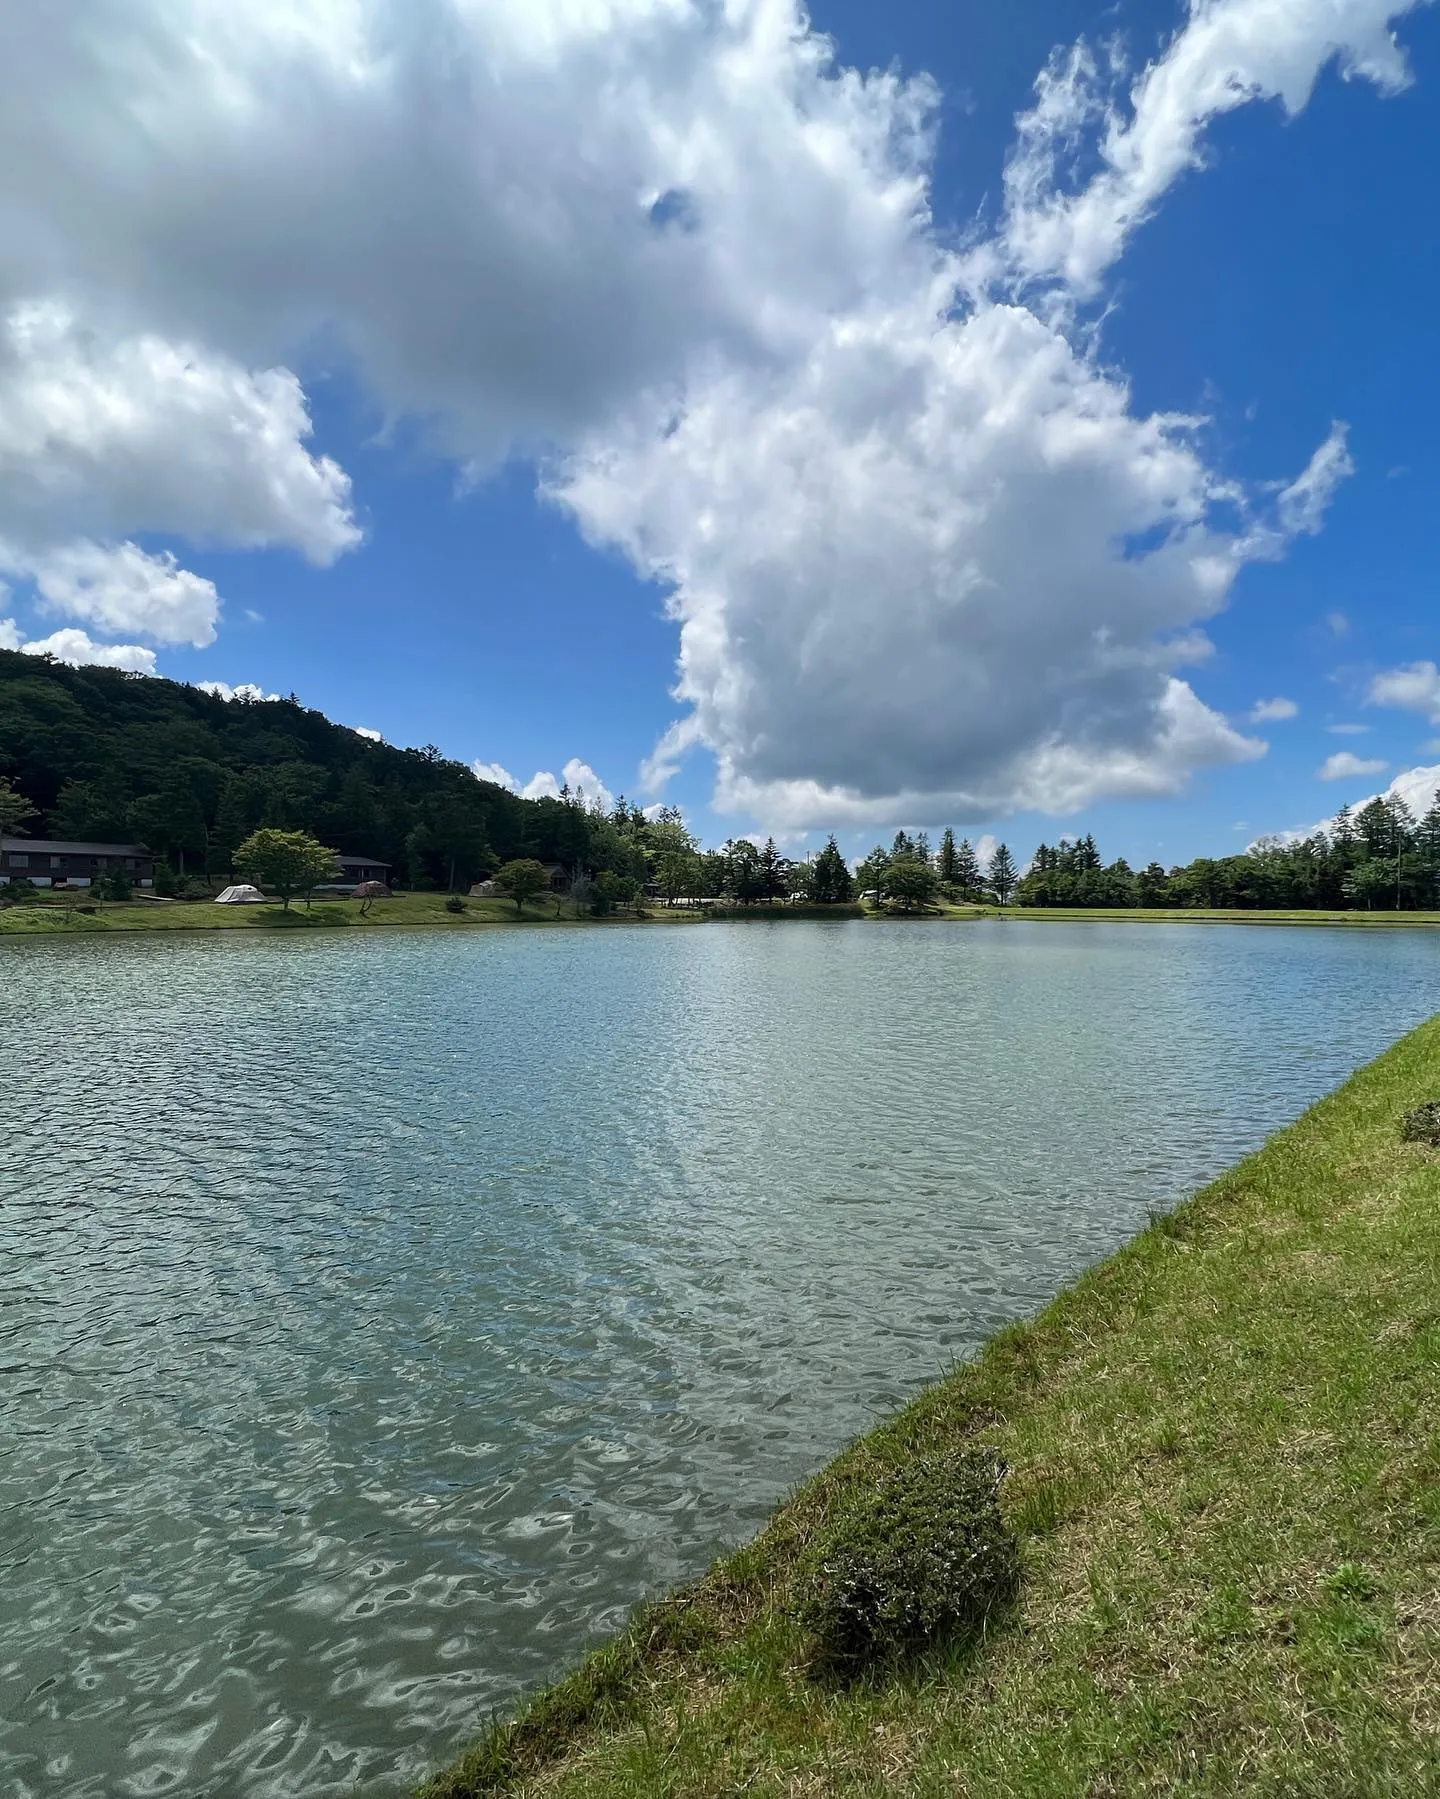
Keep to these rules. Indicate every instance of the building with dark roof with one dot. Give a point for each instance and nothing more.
(49, 862)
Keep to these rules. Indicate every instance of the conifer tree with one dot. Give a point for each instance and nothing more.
(871, 872)
(829, 877)
(946, 863)
(1001, 874)
(1427, 853)
(967, 869)
(1375, 827)
(770, 873)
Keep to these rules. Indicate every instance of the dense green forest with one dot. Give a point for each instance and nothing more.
(97, 754)
(100, 755)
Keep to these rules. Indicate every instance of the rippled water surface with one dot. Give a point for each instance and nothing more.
(382, 1316)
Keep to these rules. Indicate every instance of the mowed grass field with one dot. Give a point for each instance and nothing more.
(54, 918)
(1224, 1447)
(1206, 915)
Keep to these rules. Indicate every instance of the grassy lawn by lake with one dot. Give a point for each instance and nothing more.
(1225, 1456)
(54, 918)
(1172, 915)
(1206, 915)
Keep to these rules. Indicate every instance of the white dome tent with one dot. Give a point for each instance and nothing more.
(243, 895)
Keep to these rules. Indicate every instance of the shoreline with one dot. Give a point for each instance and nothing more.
(1224, 1444)
(427, 911)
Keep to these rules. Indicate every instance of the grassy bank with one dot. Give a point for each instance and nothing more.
(1169, 915)
(54, 917)
(412, 909)
(1225, 1454)
(1206, 915)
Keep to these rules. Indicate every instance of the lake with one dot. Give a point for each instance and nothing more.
(383, 1316)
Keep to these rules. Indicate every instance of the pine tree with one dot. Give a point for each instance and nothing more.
(945, 861)
(870, 875)
(829, 877)
(770, 874)
(1001, 874)
(1427, 851)
(1372, 827)
(967, 869)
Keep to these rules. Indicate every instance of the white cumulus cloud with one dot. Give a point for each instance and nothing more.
(581, 780)
(246, 692)
(1415, 687)
(104, 434)
(78, 649)
(101, 435)
(921, 545)
(1273, 711)
(121, 587)
(495, 775)
(1344, 765)
(1418, 788)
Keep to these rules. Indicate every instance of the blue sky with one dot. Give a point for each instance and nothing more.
(536, 427)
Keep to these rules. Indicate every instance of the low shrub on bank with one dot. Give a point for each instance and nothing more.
(1422, 1124)
(923, 1555)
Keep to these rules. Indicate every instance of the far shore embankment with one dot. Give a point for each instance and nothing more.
(76, 915)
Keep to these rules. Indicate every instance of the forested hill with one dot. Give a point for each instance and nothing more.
(107, 756)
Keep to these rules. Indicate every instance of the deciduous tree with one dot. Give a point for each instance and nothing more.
(290, 862)
(909, 883)
(14, 809)
(522, 879)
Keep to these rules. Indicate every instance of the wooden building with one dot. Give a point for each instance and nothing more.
(51, 863)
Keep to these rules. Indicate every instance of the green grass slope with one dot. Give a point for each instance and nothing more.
(55, 919)
(1225, 1455)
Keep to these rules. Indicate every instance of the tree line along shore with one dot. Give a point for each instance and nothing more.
(1218, 1541)
(100, 755)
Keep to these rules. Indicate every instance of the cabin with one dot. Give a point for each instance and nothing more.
(49, 862)
(363, 868)
(355, 871)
